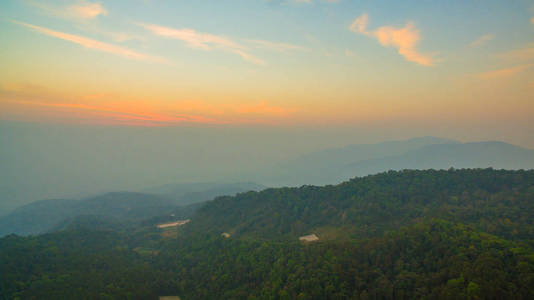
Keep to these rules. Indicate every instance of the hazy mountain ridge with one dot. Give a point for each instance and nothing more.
(334, 165)
(498, 155)
(188, 193)
(321, 167)
(42, 216)
(110, 209)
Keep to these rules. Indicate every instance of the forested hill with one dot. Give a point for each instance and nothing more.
(495, 201)
(456, 234)
(42, 216)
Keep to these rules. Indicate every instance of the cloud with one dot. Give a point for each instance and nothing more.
(504, 73)
(532, 20)
(204, 41)
(86, 10)
(360, 25)
(30, 101)
(81, 11)
(276, 46)
(117, 116)
(482, 40)
(94, 44)
(405, 39)
(523, 54)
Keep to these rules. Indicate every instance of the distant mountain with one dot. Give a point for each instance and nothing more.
(322, 167)
(335, 165)
(111, 210)
(42, 216)
(496, 155)
(188, 193)
(37, 216)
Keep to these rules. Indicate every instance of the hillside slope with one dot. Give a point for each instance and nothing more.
(42, 216)
(454, 234)
(371, 205)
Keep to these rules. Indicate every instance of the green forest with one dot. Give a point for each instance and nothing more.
(449, 234)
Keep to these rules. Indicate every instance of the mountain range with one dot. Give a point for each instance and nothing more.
(335, 165)
(116, 208)
(328, 166)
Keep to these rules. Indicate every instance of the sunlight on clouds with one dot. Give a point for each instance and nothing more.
(82, 10)
(86, 10)
(405, 39)
(360, 24)
(482, 40)
(504, 73)
(94, 44)
(35, 103)
(204, 41)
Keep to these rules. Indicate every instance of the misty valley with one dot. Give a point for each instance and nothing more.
(428, 234)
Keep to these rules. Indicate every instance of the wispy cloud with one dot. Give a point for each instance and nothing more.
(504, 73)
(86, 10)
(405, 39)
(204, 41)
(82, 10)
(359, 25)
(94, 44)
(482, 40)
(523, 54)
(111, 115)
(110, 108)
(276, 46)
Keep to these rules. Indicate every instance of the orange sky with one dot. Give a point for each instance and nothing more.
(303, 64)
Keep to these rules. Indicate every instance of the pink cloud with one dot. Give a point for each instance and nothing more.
(404, 39)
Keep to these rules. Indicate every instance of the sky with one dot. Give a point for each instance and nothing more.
(275, 77)
(294, 62)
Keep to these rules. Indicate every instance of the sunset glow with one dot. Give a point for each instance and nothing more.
(163, 63)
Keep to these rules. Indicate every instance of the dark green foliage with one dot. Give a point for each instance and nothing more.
(495, 201)
(457, 234)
